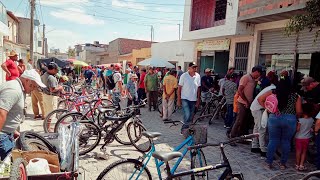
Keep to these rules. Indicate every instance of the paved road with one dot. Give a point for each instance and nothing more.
(251, 165)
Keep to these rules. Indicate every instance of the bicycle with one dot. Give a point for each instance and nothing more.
(113, 130)
(301, 176)
(210, 105)
(139, 166)
(220, 108)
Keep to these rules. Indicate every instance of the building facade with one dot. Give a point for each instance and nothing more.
(89, 52)
(122, 48)
(271, 47)
(214, 28)
(179, 53)
(4, 31)
(136, 56)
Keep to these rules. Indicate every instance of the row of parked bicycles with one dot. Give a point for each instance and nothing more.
(100, 119)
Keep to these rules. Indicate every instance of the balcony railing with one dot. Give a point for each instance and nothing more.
(3, 13)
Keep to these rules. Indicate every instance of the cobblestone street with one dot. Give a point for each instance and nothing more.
(251, 165)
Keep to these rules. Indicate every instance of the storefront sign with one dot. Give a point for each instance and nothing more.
(214, 45)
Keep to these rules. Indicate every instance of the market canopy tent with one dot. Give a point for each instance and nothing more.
(61, 63)
(156, 62)
(79, 63)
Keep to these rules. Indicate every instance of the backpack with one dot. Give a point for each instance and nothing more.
(110, 82)
(271, 104)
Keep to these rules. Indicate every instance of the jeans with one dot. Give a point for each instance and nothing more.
(188, 111)
(229, 119)
(134, 101)
(153, 99)
(141, 94)
(281, 130)
(259, 142)
(116, 98)
(6, 145)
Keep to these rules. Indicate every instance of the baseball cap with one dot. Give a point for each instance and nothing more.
(193, 64)
(207, 70)
(52, 65)
(34, 76)
(307, 81)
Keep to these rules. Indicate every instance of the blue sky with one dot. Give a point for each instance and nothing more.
(70, 22)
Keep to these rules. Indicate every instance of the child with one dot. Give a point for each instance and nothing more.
(132, 90)
(303, 134)
(229, 90)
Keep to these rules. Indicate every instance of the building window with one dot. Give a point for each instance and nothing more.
(207, 13)
(39, 43)
(241, 57)
(221, 10)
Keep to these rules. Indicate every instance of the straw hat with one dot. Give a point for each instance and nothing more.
(12, 53)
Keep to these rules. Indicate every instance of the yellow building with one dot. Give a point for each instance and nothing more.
(135, 56)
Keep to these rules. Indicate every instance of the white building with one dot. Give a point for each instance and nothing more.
(4, 31)
(179, 53)
(213, 26)
(88, 52)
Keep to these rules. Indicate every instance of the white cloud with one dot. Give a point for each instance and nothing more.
(78, 16)
(117, 3)
(61, 2)
(62, 39)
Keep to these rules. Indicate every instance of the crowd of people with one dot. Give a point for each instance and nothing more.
(249, 98)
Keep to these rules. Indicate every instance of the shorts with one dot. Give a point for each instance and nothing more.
(302, 144)
(6, 145)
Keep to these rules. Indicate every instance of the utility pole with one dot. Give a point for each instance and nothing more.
(33, 6)
(43, 39)
(151, 33)
(179, 30)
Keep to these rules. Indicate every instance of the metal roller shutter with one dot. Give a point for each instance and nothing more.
(306, 42)
(276, 42)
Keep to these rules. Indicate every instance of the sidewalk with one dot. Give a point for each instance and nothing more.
(241, 159)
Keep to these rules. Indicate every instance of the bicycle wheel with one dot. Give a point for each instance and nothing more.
(18, 170)
(68, 118)
(122, 135)
(52, 118)
(125, 169)
(88, 89)
(29, 141)
(89, 137)
(141, 143)
(68, 89)
(197, 161)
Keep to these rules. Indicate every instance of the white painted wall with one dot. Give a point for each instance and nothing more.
(179, 51)
(230, 28)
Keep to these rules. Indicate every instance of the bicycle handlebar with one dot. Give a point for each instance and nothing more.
(249, 136)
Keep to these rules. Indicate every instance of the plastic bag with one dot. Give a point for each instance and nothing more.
(38, 166)
(68, 138)
(264, 119)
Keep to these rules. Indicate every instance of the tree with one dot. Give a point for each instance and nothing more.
(71, 52)
(308, 20)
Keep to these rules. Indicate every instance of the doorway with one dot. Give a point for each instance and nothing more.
(315, 66)
(206, 62)
(221, 63)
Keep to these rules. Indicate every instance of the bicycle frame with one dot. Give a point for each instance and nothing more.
(187, 142)
(223, 176)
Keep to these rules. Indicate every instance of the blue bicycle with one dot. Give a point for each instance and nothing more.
(134, 169)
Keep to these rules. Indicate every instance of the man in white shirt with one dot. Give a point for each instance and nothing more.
(118, 89)
(189, 94)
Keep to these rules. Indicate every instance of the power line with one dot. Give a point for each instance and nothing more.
(18, 6)
(159, 4)
(141, 16)
(109, 17)
(41, 12)
(137, 9)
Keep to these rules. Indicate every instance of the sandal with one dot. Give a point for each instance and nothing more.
(297, 167)
(268, 166)
(302, 168)
(37, 116)
(282, 166)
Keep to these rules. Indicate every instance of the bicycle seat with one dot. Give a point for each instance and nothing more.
(151, 135)
(103, 109)
(166, 156)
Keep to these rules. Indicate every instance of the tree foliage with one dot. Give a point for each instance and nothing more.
(71, 52)
(308, 20)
